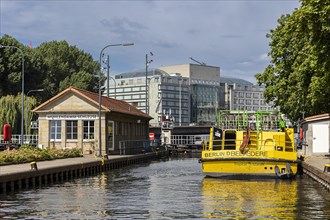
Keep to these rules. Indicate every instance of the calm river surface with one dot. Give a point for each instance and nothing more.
(170, 189)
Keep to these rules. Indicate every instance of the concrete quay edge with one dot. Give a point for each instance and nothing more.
(313, 166)
(16, 172)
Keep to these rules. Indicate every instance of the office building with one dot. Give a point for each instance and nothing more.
(188, 92)
(239, 94)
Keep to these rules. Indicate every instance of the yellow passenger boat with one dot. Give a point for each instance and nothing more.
(250, 145)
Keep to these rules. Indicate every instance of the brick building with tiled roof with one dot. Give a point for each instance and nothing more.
(71, 120)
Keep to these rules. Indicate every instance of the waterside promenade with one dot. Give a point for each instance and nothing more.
(22, 176)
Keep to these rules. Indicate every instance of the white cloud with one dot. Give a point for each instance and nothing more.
(229, 34)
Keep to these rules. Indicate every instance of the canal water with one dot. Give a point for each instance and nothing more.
(169, 189)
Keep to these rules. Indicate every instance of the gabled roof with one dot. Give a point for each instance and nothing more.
(108, 104)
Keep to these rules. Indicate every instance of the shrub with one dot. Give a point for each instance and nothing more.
(26, 154)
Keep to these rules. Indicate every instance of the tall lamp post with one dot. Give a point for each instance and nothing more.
(115, 82)
(22, 112)
(100, 100)
(107, 62)
(147, 64)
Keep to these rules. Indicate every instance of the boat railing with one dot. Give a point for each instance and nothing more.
(240, 120)
(217, 145)
(268, 144)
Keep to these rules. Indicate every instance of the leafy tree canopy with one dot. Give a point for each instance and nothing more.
(298, 76)
(46, 66)
(52, 66)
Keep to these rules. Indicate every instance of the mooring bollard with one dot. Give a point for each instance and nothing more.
(326, 168)
(34, 165)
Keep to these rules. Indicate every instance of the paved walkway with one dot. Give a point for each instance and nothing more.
(318, 161)
(19, 168)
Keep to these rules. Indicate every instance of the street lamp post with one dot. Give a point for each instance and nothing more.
(22, 112)
(108, 73)
(100, 100)
(147, 64)
(115, 82)
(107, 62)
(27, 95)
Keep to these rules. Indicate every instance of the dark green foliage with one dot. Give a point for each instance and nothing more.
(52, 66)
(298, 76)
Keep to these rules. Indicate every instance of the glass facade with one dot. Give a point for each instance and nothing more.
(243, 95)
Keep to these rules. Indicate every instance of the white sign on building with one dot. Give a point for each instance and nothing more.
(71, 116)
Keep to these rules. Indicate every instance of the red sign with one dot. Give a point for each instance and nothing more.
(152, 136)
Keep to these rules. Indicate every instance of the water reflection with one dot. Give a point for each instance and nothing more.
(173, 189)
(249, 198)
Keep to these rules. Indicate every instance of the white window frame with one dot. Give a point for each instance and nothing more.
(57, 124)
(89, 133)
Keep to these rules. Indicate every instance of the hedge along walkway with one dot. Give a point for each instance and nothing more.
(28, 154)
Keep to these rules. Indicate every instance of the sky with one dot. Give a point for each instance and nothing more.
(230, 34)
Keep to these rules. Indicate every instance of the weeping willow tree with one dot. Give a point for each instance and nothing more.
(9, 112)
(11, 109)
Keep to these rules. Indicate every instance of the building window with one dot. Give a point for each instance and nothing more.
(88, 130)
(55, 130)
(71, 130)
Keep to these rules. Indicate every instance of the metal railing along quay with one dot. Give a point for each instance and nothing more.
(31, 140)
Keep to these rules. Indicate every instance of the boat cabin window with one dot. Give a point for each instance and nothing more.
(230, 140)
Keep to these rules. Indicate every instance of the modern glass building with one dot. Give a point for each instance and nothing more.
(239, 94)
(204, 83)
(188, 92)
(162, 94)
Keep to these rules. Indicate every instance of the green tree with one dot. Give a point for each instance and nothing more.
(11, 66)
(79, 79)
(10, 112)
(62, 62)
(45, 67)
(298, 76)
